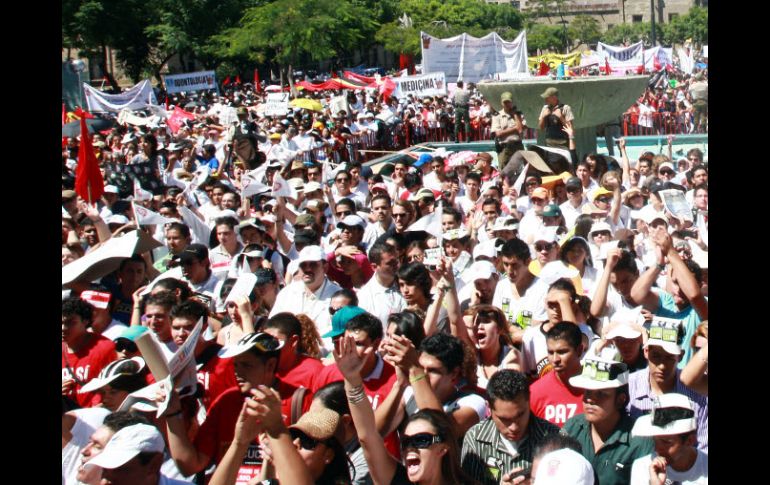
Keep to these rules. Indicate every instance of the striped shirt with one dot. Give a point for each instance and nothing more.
(642, 396)
(485, 458)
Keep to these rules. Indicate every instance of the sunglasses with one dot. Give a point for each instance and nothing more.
(305, 441)
(572, 190)
(339, 181)
(344, 213)
(420, 441)
(125, 346)
(531, 183)
(605, 200)
(399, 216)
(602, 233)
(543, 247)
(666, 171)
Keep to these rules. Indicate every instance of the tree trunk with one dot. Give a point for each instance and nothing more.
(108, 72)
(293, 90)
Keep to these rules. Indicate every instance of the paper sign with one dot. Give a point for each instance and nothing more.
(676, 204)
(433, 257)
(461, 263)
(277, 104)
(243, 286)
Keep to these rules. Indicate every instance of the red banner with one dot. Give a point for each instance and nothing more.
(177, 118)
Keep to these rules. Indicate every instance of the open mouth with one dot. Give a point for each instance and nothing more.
(412, 462)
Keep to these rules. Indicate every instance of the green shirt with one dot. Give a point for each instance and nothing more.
(160, 264)
(612, 464)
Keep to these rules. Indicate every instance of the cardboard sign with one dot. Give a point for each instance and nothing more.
(433, 257)
(277, 104)
(676, 204)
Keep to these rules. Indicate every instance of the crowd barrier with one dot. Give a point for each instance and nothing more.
(661, 124)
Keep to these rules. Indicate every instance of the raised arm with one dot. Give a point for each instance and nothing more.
(624, 163)
(187, 458)
(685, 279)
(642, 292)
(382, 466)
(694, 375)
(599, 301)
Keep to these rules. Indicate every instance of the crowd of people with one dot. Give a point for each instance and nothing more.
(447, 317)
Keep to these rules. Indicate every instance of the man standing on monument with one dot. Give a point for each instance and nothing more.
(553, 117)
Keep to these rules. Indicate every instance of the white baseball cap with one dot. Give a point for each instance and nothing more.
(605, 371)
(350, 221)
(113, 370)
(666, 333)
(264, 342)
(485, 249)
(311, 254)
(126, 444)
(564, 467)
(480, 270)
(626, 323)
(671, 414)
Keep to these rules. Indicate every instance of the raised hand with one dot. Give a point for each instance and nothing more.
(348, 360)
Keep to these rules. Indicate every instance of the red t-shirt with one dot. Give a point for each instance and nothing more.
(303, 374)
(335, 273)
(216, 376)
(376, 389)
(86, 363)
(216, 433)
(553, 401)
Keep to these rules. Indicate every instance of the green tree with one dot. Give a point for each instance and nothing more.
(585, 29)
(693, 25)
(288, 31)
(632, 33)
(545, 37)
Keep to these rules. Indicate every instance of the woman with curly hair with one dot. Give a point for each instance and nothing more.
(298, 362)
(490, 336)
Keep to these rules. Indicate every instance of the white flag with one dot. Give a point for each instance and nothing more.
(200, 231)
(250, 186)
(146, 217)
(140, 193)
(520, 181)
(281, 188)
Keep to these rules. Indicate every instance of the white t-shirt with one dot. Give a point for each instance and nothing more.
(697, 475)
(534, 350)
(474, 401)
(380, 301)
(86, 422)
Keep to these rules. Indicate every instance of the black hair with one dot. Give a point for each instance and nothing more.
(507, 384)
(412, 179)
(410, 325)
(346, 202)
(695, 269)
(445, 348)
(564, 284)
(474, 176)
(583, 225)
(349, 294)
(164, 299)
(172, 284)
(135, 258)
(626, 262)
(381, 196)
(230, 221)
(418, 275)
(191, 309)
(122, 419)
(368, 323)
(451, 211)
(575, 241)
(333, 397)
(75, 306)
(567, 331)
(378, 249)
(516, 247)
(489, 201)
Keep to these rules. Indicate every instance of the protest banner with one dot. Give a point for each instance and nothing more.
(138, 97)
(433, 84)
(472, 59)
(178, 116)
(123, 177)
(553, 60)
(277, 104)
(189, 82)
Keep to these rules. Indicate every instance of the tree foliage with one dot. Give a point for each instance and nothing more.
(694, 25)
(585, 29)
(545, 37)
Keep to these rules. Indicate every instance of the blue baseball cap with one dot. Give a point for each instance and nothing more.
(424, 158)
(341, 318)
(132, 333)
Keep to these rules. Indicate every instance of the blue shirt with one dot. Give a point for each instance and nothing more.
(690, 319)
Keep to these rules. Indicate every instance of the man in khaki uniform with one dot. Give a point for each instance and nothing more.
(508, 130)
(699, 90)
(553, 117)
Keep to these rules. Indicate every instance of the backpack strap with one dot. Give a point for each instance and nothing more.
(296, 403)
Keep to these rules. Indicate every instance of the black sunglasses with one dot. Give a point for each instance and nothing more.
(420, 441)
(666, 171)
(606, 200)
(344, 213)
(344, 179)
(543, 247)
(305, 441)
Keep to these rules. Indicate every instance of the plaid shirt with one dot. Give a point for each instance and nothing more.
(485, 458)
(642, 396)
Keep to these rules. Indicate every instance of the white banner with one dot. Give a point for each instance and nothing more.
(420, 86)
(277, 104)
(138, 97)
(686, 60)
(706, 51)
(664, 56)
(191, 81)
(472, 59)
(621, 58)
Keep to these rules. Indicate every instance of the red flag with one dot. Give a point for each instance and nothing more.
(63, 115)
(656, 63)
(89, 183)
(81, 113)
(238, 79)
(257, 86)
(607, 68)
(386, 86)
(543, 70)
(177, 118)
(226, 81)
